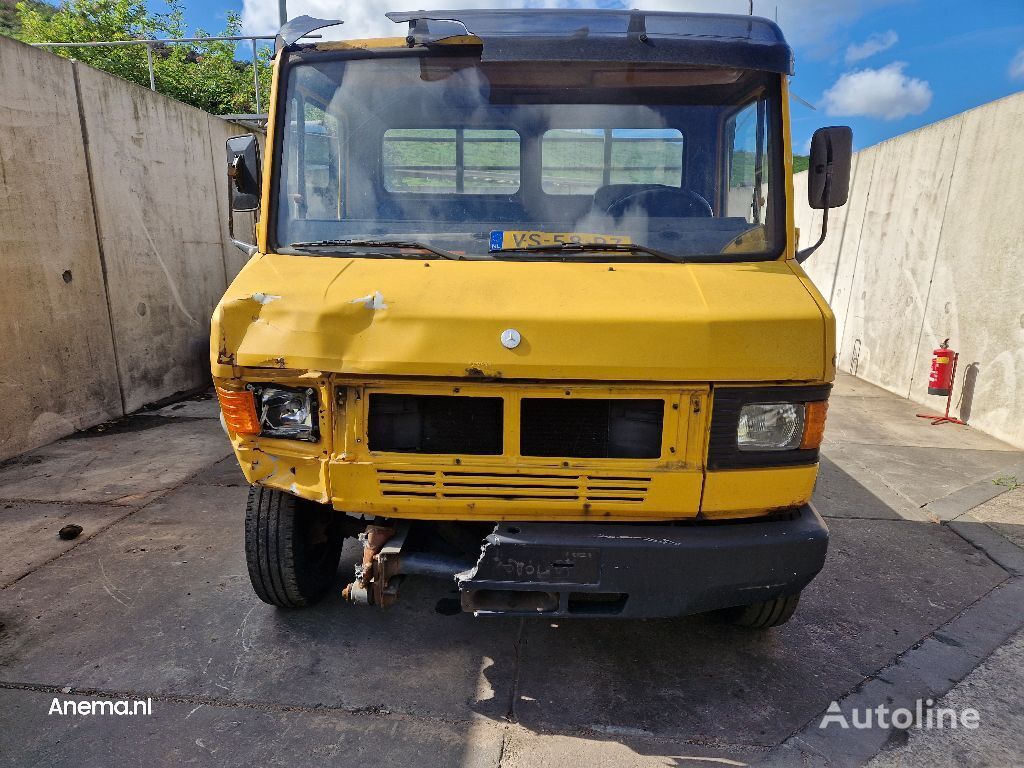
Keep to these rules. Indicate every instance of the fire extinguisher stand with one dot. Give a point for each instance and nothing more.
(946, 418)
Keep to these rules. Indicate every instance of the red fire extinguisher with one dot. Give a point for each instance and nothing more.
(940, 380)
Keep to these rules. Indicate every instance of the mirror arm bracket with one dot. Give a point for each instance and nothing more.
(247, 248)
(802, 256)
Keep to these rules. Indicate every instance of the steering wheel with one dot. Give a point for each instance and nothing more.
(662, 202)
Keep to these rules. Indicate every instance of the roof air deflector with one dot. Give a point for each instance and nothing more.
(297, 28)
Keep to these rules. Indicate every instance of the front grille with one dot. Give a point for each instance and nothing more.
(591, 428)
(436, 424)
(508, 486)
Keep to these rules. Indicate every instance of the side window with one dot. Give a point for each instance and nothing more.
(464, 161)
(313, 166)
(490, 162)
(747, 171)
(579, 161)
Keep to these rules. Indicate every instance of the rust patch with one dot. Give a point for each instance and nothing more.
(479, 371)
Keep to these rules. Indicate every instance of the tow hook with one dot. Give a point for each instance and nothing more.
(369, 580)
(385, 566)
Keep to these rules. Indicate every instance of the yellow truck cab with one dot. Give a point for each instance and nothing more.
(524, 311)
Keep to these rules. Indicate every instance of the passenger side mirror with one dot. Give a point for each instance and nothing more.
(828, 173)
(244, 172)
(243, 182)
(828, 176)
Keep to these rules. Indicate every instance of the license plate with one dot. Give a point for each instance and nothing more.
(515, 238)
(542, 565)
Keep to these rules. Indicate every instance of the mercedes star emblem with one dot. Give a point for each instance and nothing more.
(510, 338)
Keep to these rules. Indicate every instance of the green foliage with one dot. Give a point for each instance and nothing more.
(571, 156)
(743, 165)
(568, 156)
(205, 75)
(10, 21)
(1009, 481)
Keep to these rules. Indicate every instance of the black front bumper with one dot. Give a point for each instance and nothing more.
(631, 570)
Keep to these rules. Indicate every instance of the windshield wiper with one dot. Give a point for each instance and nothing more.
(594, 247)
(413, 244)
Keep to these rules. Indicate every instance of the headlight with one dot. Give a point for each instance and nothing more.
(287, 413)
(770, 427)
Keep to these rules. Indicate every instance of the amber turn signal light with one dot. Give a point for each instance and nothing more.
(814, 424)
(239, 409)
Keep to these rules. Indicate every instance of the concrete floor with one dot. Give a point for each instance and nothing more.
(921, 585)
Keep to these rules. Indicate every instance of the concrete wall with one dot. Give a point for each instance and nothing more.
(58, 373)
(113, 249)
(930, 246)
(113, 252)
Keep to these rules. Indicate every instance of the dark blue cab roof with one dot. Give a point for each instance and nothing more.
(699, 39)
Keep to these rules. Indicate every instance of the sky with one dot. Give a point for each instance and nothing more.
(884, 67)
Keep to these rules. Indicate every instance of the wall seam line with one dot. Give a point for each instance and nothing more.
(220, 216)
(856, 256)
(99, 233)
(842, 239)
(935, 259)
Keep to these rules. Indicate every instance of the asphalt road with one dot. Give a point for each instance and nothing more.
(152, 602)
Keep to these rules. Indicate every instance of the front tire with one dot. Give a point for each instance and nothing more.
(771, 613)
(292, 548)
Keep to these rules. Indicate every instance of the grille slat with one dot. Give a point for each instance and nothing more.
(511, 486)
(508, 496)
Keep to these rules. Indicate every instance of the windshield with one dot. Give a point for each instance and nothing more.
(515, 160)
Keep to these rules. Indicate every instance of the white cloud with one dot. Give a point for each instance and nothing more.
(811, 24)
(1017, 66)
(876, 43)
(805, 22)
(886, 93)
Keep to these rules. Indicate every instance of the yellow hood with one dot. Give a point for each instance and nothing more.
(630, 322)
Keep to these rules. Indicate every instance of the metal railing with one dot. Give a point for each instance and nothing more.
(253, 39)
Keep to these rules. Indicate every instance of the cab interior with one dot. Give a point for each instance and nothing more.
(459, 148)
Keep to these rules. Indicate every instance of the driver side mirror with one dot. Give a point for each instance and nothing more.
(828, 176)
(244, 172)
(828, 172)
(243, 182)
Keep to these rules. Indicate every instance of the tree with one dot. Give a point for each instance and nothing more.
(10, 22)
(205, 74)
